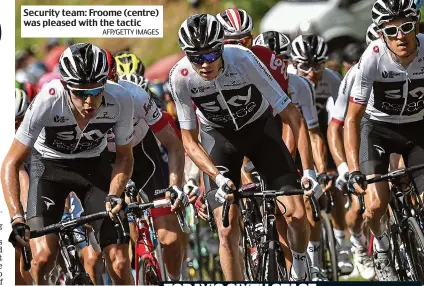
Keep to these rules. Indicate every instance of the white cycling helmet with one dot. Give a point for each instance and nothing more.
(200, 31)
(387, 10)
(137, 79)
(309, 49)
(275, 41)
(372, 33)
(21, 103)
(83, 63)
(236, 22)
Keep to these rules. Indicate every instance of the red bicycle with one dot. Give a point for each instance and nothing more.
(149, 266)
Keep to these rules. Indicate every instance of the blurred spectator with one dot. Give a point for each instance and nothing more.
(51, 60)
(51, 44)
(28, 67)
(46, 78)
(194, 5)
(351, 54)
(334, 62)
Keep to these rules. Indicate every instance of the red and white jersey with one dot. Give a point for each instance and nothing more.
(275, 64)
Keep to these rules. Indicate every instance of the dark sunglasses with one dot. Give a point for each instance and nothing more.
(245, 42)
(84, 93)
(201, 58)
(392, 31)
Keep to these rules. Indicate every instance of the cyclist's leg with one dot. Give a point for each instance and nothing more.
(46, 200)
(415, 156)
(375, 149)
(228, 160)
(115, 252)
(89, 256)
(150, 175)
(272, 159)
(246, 178)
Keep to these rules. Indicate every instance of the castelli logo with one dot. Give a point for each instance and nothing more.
(184, 72)
(52, 91)
(376, 49)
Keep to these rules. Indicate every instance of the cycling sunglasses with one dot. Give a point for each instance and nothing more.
(307, 68)
(392, 31)
(245, 42)
(84, 93)
(201, 58)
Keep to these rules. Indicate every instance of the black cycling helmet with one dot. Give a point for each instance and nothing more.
(275, 41)
(83, 63)
(200, 32)
(353, 52)
(387, 10)
(309, 49)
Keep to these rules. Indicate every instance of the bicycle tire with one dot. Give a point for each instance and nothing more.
(418, 264)
(148, 272)
(82, 279)
(328, 243)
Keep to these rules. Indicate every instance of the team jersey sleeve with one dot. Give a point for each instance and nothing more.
(123, 128)
(365, 75)
(340, 106)
(306, 94)
(180, 94)
(266, 84)
(36, 117)
(274, 64)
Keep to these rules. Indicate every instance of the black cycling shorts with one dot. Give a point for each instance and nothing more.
(149, 172)
(51, 181)
(380, 139)
(259, 141)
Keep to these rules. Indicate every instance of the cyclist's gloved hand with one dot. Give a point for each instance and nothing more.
(19, 237)
(343, 172)
(130, 188)
(115, 205)
(191, 190)
(181, 198)
(324, 180)
(224, 187)
(310, 185)
(357, 183)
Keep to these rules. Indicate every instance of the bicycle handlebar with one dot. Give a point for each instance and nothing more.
(251, 191)
(67, 224)
(395, 173)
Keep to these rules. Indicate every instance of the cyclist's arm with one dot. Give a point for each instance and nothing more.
(16, 156)
(281, 104)
(124, 131)
(335, 127)
(367, 68)
(289, 140)
(35, 119)
(175, 149)
(335, 142)
(319, 150)
(197, 153)
(188, 123)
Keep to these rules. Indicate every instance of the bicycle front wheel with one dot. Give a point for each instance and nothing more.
(328, 254)
(416, 249)
(148, 272)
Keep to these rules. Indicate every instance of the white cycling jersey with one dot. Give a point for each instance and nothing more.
(391, 93)
(240, 94)
(303, 96)
(50, 126)
(146, 113)
(338, 113)
(326, 91)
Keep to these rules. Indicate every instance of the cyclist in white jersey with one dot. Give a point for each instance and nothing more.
(309, 53)
(67, 123)
(149, 173)
(233, 91)
(362, 262)
(386, 109)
